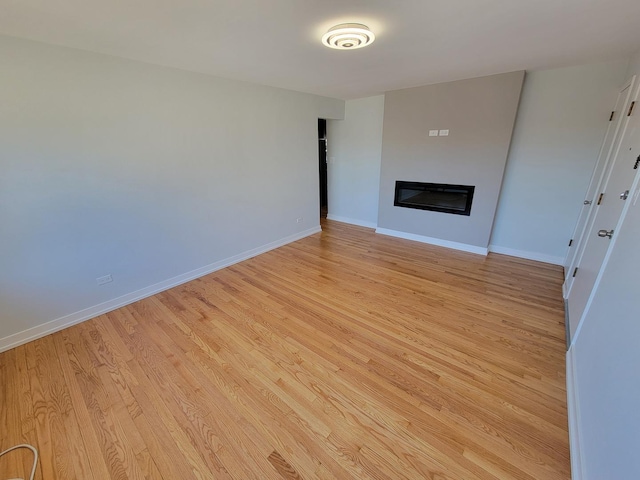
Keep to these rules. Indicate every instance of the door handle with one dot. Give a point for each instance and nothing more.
(624, 195)
(605, 233)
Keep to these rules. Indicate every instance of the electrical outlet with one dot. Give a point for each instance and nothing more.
(433, 133)
(299, 220)
(103, 280)
(444, 133)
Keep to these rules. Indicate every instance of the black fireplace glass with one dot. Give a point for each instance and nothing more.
(438, 197)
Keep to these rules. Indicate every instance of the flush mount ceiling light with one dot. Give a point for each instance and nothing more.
(348, 36)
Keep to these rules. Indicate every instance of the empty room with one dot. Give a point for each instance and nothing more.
(319, 240)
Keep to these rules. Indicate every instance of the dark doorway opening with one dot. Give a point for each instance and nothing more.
(322, 157)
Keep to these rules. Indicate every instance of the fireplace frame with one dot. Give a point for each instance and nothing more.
(446, 188)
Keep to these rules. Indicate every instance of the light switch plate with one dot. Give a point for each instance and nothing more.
(433, 133)
(444, 133)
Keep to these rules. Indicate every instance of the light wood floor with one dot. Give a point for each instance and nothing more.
(343, 355)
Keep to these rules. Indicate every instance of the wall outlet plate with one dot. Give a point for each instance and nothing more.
(433, 133)
(103, 280)
(444, 133)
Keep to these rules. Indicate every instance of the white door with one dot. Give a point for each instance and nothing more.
(612, 201)
(609, 146)
(605, 358)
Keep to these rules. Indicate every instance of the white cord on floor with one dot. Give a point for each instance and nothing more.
(35, 458)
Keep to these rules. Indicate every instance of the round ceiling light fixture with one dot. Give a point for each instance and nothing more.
(348, 36)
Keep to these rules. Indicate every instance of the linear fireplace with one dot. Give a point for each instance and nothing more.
(439, 197)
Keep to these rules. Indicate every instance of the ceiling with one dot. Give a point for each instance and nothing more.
(277, 42)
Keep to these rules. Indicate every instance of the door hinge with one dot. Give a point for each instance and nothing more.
(571, 242)
(600, 199)
(574, 272)
(611, 117)
(635, 165)
(633, 104)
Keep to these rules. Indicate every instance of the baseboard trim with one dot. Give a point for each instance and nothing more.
(351, 221)
(538, 257)
(61, 323)
(573, 410)
(567, 325)
(433, 241)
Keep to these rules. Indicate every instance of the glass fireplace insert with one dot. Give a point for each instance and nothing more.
(438, 197)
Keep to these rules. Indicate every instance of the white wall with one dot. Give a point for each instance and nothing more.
(634, 65)
(561, 123)
(110, 166)
(604, 359)
(354, 153)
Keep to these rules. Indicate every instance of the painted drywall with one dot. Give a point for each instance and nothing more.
(354, 156)
(561, 123)
(479, 114)
(142, 172)
(634, 65)
(605, 355)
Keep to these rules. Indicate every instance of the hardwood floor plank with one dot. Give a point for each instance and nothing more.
(102, 404)
(281, 465)
(87, 441)
(10, 424)
(45, 416)
(343, 355)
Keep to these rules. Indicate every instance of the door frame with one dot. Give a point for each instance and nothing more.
(633, 198)
(607, 163)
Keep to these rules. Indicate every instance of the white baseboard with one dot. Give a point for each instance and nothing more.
(61, 323)
(352, 221)
(433, 241)
(573, 408)
(538, 257)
